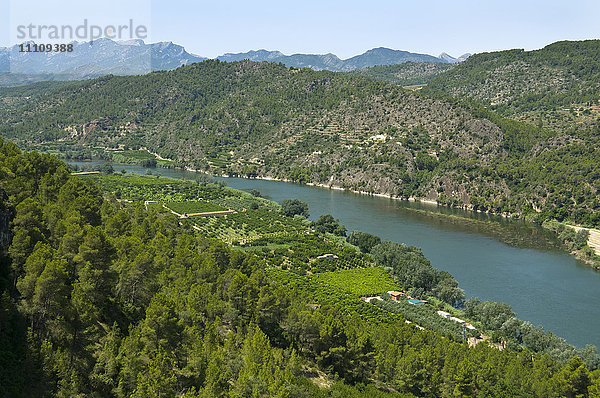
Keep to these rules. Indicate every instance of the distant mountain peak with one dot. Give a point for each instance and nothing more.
(329, 61)
(165, 44)
(105, 56)
(450, 59)
(252, 55)
(132, 42)
(383, 50)
(99, 57)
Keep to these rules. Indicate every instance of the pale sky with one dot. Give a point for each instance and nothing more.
(345, 28)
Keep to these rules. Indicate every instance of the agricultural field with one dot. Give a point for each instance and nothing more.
(256, 217)
(257, 226)
(359, 282)
(248, 225)
(325, 295)
(193, 206)
(162, 189)
(240, 200)
(423, 315)
(134, 154)
(299, 253)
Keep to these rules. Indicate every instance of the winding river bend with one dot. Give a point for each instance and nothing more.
(492, 258)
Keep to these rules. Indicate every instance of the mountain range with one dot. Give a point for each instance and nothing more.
(104, 56)
(97, 58)
(373, 57)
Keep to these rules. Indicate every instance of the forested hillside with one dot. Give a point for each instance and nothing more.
(557, 86)
(261, 119)
(406, 74)
(106, 297)
(12, 98)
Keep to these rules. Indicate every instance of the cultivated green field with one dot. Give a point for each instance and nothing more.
(359, 282)
(194, 206)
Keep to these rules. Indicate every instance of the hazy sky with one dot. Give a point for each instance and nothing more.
(345, 28)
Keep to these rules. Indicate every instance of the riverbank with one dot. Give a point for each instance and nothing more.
(502, 260)
(467, 207)
(583, 243)
(338, 188)
(593, 237)
(580, 254)
(373, 194)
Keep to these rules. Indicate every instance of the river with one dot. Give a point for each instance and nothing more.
(492, 258)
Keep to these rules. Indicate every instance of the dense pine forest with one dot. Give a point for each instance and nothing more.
(106, 292)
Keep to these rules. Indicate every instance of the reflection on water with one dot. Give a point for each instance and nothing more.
(512, 232)
(491, 257)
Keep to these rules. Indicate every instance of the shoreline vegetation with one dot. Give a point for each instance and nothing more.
(584, 253)
(579, 241)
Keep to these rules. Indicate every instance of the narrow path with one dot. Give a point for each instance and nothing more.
(206, 213)
(82, 173)
(157, 156)
(212, 213)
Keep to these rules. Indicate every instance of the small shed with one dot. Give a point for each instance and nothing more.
(444, 314)
(395, 295)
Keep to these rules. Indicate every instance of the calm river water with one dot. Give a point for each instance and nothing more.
(491, 258)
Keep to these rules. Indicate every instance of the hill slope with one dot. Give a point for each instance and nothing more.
(556, 86)
(406, 74)
(263, 119)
